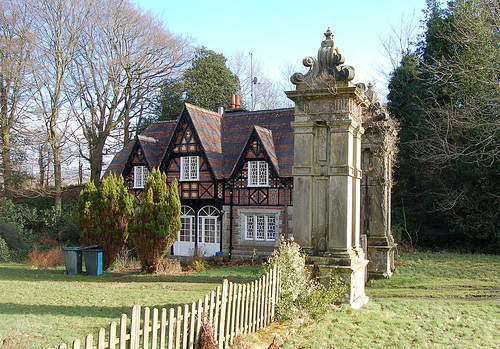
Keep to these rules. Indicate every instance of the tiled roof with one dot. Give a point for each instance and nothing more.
(266, 136)
(223, 138)
(154, 140)
(118, 163)
(208, 127)
(237, 126)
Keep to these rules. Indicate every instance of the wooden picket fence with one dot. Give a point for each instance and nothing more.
(234, 309)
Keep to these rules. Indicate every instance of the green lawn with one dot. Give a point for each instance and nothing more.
(436, 300)
(45, 307)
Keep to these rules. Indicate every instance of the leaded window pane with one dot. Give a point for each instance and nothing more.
(145, 175)
(189, 168)
(193, 167)
(271, 228)
(141, 174)
(263, 173)
(249, 227)
(260, 231)
(258, 173)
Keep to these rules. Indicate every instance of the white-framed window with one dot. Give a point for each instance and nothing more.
(208, 226)
(188, 219)
(260, 227)
(258, 174)
(189, 168)
(141, 174)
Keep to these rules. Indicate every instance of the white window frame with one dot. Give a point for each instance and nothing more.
(208, 223)
(190, 168)
(188, 221)
(260, 227)
(258, 173)
(141, 174)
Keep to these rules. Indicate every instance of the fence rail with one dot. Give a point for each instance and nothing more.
(231, 310)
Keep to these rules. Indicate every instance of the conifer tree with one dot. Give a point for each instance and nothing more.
(208, 84)
(104, 215)
(157, 221)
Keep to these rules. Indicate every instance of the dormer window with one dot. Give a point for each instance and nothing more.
(189, 168)
(258, 174)
(141, 174)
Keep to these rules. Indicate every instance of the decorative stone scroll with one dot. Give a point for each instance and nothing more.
(328, 64)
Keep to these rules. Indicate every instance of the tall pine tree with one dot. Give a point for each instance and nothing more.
(453, 138)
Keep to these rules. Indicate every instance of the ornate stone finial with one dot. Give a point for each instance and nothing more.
(371, 94)
(328, 63)
(329, 34)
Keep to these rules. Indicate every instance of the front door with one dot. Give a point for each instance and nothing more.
(184, 246)
(208, 231)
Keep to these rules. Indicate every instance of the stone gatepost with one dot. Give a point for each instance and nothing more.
(378, 152)
(327, 168)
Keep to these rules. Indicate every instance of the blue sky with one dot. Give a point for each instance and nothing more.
(286, 31)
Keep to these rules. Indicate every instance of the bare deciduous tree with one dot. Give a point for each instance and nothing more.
(463, 125)
(124, 57)
(14, 55)
(58, 28)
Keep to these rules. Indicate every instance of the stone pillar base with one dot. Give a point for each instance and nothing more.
(381, 261)
(353, 275)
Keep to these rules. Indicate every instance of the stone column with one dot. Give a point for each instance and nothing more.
(327, 168)
(379, 144)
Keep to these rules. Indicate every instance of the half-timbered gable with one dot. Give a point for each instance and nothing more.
(258, 157)
(139, 157)
(193, 150)
(255, 179)
(194, 158)
(258, 154)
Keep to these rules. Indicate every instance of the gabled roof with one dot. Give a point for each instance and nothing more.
(236, 129)
(222, 138)
(153, 141)
(266, 137)
(208, 127)
(118, 163)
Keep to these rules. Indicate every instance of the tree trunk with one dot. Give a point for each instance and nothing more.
(126, 129)
(57, 177)
(41, 166)
(96, 163)
(7, 166)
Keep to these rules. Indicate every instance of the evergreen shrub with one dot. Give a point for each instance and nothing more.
(300, 293)
(104, 215)
(14, 238)
(157, 221)
(4, 252)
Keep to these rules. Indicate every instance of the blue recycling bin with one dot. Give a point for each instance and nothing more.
(73, 260)
(93, 260)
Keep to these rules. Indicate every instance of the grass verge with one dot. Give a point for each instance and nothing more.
(43, 308)
(435, 300)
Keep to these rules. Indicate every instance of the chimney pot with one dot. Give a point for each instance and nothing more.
(233, 101)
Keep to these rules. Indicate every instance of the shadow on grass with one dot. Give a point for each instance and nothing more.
(76, 311)
(22, 272)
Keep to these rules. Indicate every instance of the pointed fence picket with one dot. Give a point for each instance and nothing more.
(232, 310)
